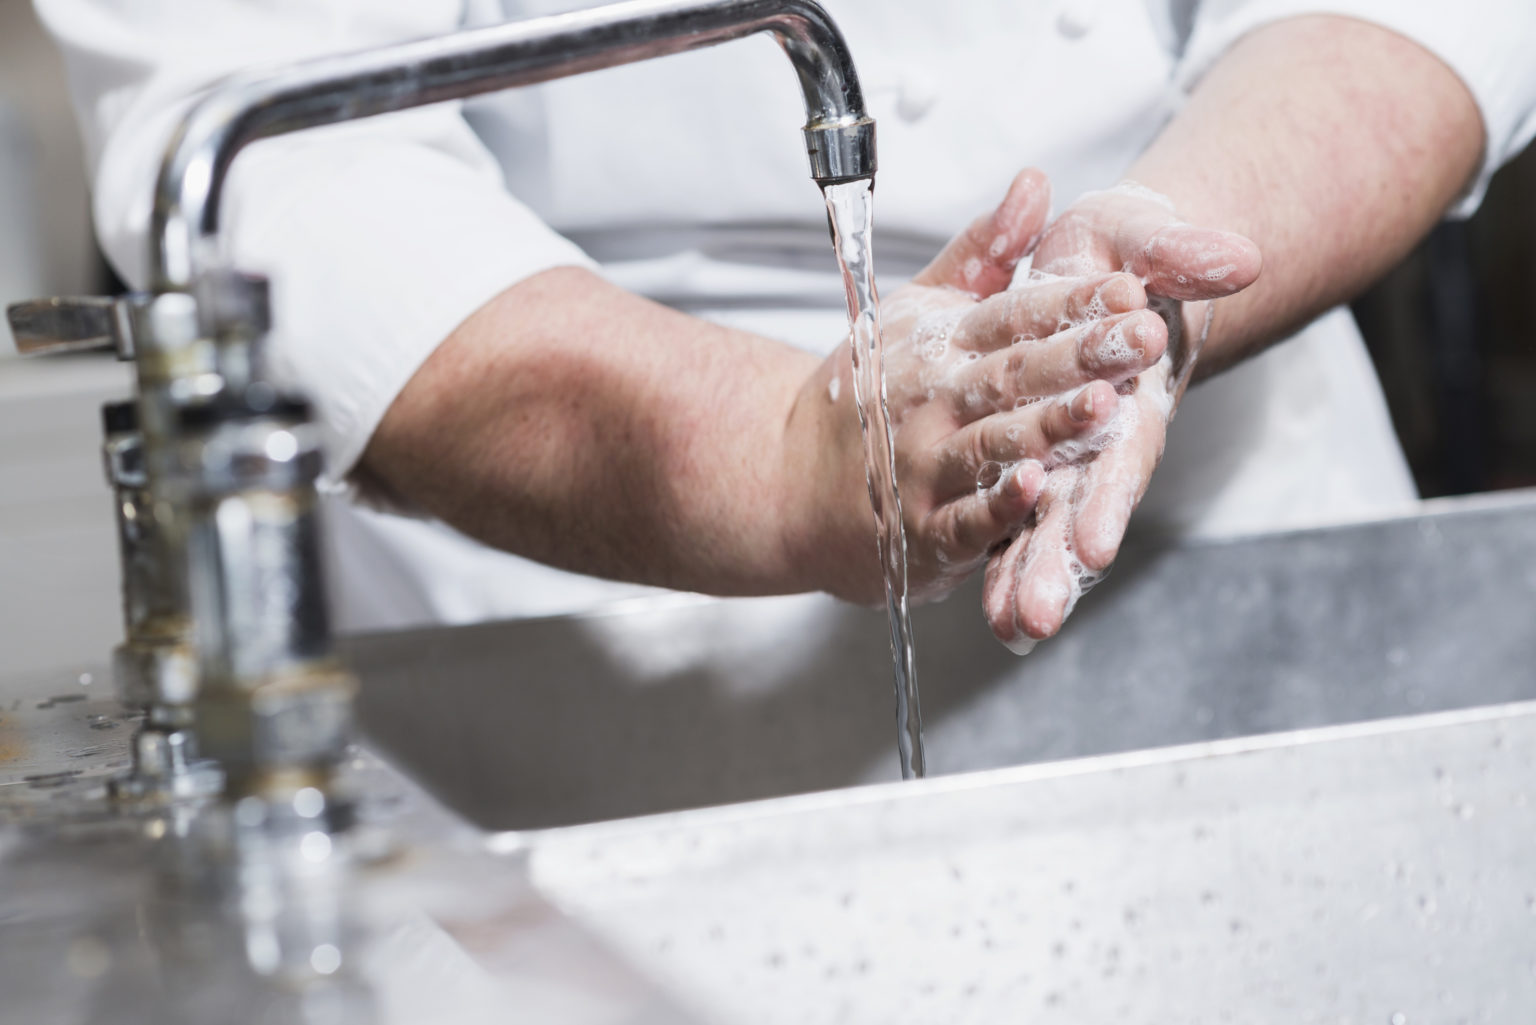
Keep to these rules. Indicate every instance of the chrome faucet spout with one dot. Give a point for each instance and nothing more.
(839, 134)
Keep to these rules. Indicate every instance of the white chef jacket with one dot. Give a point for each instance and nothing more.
(684, 179)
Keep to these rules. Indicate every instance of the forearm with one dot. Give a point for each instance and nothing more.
(1331, 143)
(580, 425)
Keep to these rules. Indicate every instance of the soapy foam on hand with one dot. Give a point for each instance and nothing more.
(1152, 393)
(1059, 489)
(1139, 191)
(933, 333)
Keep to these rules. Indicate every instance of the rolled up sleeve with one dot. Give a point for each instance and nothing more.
(1487, 43)
(380, 237)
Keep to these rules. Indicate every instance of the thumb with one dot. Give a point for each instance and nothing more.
(1189, 263)
(980, 260)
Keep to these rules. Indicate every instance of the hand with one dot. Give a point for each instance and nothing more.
(1084, 506)
(987, 389)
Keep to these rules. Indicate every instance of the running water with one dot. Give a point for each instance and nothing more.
(850, 209)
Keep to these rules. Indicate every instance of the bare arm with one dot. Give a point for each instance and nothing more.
(583, 426)
(1331, 143)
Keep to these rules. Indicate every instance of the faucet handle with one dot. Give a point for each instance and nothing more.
(74, 324)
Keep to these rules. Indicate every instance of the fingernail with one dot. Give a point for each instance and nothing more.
(1122, 294)
(1029, 477)
(1081, 408)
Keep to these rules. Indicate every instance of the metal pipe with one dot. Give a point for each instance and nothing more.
(154, 666)
(274, 702)
(251, 106)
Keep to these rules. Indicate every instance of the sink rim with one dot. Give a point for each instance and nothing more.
(521, 843)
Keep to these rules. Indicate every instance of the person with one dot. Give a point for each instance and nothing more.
(517, 316)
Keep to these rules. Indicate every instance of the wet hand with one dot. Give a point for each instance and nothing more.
(1085, 504)
(988, 389)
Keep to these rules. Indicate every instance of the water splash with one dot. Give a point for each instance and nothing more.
(850, 210)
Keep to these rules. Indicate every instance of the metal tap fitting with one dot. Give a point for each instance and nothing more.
(272, 699)
(229, 465)
(154, 663)
(839, 134)
(274, 704)
(154, 666)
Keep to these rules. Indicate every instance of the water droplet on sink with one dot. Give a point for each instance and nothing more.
(88, 958)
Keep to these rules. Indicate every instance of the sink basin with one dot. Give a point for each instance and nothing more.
(689, 702)
(1379, 874)
(1272, 780)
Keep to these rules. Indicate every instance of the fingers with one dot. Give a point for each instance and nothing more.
(981, 259)
(1127, 230)
(1115, 482)
(969, 527)
(1114, 349)
(1043, 308)
(1189, 263)
(1031, 586)
(1050, 432)
(999, 591)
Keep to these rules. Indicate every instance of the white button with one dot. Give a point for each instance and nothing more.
(917, 96)
(1077, 18)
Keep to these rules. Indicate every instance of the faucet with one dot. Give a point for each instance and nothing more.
(232, 461)
(839, 135)
(153, 667)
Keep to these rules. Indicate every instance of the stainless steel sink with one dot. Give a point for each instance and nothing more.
(692, 702)
(1377, 874)
(1376, 865)
(136, 914)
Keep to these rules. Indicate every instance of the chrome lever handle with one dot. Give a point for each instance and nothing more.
(74, 324)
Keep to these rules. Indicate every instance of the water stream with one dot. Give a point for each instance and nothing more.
(850, 209)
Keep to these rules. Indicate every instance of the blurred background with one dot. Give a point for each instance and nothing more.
(1455, 345)
(1449, 330)
(45, 235)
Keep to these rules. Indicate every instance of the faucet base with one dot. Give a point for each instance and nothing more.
(166, 769)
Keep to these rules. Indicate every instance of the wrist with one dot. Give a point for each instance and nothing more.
(827, 526)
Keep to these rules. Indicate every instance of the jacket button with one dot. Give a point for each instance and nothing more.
(916, 97)
(1077, 18)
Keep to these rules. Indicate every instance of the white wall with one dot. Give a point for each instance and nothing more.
(45, 240)
(58, 565)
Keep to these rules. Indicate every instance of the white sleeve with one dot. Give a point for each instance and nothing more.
(1489, 44)
(380, 236)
